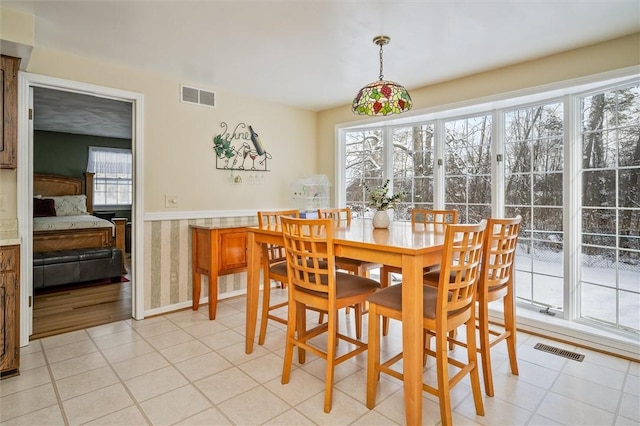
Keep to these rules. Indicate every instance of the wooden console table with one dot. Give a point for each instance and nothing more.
(216, 251)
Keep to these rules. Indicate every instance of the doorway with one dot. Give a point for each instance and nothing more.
(27, 84)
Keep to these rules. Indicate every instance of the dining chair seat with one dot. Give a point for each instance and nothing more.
(279, 268)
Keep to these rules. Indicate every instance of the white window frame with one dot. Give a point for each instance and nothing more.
(567, 92)
(102, 180)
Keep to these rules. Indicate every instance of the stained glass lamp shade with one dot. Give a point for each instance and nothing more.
(381, 97)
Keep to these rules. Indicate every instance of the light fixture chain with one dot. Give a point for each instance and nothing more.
(381, 76)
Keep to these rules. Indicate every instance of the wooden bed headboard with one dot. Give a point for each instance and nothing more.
(54, 185)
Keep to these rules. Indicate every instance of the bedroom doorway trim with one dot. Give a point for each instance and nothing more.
(26, 83)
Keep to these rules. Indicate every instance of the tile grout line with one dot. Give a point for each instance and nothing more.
(192, 384)
(122, 383)
(54, 384)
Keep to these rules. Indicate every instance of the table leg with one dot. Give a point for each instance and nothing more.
(412, 344)
(196, 280)
(253, 284)
(196, 286)
(213, 293)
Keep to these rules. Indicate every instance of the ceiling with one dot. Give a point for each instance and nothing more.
(316, 54)
(68, 112)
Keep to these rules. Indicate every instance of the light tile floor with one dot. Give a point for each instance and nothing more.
(181, 368)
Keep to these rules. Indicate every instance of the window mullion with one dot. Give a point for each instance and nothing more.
(572, 223)
(387, 158)
(340, 188)
(438, 166)
(497, 168)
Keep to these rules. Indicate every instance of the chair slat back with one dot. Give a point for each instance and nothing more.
(310, 257)
(427, 216)
(460, 267)
(499, 248)
(271, 218)
(274, 253)
(340, 216)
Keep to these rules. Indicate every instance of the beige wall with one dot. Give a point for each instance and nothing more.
(178, 138)
(16, 27)
(615, 54)
(179, 160)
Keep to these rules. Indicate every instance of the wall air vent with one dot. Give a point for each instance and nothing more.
(192, 95)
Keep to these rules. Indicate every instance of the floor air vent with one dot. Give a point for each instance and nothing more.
(560, 352)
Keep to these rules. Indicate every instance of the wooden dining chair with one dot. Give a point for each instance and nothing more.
(315, 283)
(342, 217)
(496, 283)
(445, 307)
(419, 218)
(422, 217)
(274, 268)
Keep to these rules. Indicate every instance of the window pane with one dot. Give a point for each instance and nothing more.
(610, 255)
(599, 188)
(534, 163)
(629, 312)
(412, 167)
(599, 266)
(598, 227)
(113, 184)
(547, 189)
(599, 149)
(518, 189)
(467, 161)
(363, 166)
(629, 187)
(599, 303)
(547, 155)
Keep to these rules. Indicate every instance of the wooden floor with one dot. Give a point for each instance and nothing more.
(76, 307)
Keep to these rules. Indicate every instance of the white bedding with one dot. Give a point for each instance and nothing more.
(59, 223)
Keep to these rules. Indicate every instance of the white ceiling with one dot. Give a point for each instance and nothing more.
(317, 54)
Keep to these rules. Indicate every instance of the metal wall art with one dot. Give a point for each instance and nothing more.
(240, 149)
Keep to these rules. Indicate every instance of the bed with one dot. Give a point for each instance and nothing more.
(66, 230)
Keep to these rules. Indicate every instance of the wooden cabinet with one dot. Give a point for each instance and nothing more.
(9, 67)
(215, 252)
(232, 250)
(10, 315)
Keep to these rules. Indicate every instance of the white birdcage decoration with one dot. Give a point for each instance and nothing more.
(311, 193)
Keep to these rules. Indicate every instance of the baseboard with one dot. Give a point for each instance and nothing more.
(182, 305)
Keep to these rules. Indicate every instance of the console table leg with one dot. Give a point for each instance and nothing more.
(196, 285)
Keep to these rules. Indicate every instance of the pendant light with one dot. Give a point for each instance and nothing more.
(381, 97)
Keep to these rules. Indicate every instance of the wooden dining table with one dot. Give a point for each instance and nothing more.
(408, 247)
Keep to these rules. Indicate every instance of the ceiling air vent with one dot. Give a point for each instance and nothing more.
(192, 95)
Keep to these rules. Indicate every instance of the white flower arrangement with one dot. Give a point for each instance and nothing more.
(379, 199)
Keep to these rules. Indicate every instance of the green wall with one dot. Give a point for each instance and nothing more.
(66, 154)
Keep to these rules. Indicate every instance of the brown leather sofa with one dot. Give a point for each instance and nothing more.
(76, 266)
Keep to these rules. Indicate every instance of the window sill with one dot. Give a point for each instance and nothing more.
(572, 332)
